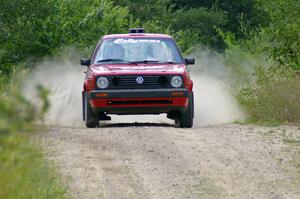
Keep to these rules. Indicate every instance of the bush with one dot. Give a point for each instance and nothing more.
(16, 113)
(85, 21)
(200, 24)
(27, 29)
(30, 30)
(281, 39)
(24, 173)
(274, 98)
(268, 91)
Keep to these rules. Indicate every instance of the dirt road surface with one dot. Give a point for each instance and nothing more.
(160, 161)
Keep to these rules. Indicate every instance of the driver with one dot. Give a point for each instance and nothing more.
(116, 51)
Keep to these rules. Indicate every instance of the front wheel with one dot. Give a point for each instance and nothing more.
(91, 119)
(186, 118)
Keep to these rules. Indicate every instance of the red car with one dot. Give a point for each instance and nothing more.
(137, 73)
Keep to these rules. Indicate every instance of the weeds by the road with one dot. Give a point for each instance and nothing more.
(291, 141)
(273, 99)
(24, 173)
(268, 92)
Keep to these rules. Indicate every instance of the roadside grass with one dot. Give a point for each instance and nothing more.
(267, 90)
(291, 141)
(273, 100)
(239, 122)
(24, 172)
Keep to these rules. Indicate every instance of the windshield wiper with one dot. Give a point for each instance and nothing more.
(167, 62)
(146, 61)
(114, 60)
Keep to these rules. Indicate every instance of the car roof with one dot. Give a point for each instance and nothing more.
(137, 35)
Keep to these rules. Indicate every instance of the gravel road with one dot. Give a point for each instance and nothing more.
(144, 160)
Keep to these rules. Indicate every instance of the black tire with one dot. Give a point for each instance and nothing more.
(186, 118)
(91, 119)
(83, 105)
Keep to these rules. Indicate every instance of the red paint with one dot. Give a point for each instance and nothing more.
(136, 69)
(176, 101)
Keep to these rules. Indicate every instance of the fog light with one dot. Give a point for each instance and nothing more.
(101, 95)
(177, 94)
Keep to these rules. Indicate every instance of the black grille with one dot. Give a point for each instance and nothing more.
(130, 82)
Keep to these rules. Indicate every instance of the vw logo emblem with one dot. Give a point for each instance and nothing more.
(139, 80)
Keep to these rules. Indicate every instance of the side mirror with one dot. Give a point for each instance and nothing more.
(85, 61)
(189, 61)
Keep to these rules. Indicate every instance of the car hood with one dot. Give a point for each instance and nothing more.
(138, 69)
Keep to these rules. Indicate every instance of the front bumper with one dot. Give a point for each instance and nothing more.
(139, 101)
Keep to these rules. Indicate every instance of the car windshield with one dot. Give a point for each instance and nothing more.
(138, 50)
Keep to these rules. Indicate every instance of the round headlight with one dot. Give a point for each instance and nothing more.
(102, 82)
(176, 81)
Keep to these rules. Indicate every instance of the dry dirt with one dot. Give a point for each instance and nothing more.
(143, 160)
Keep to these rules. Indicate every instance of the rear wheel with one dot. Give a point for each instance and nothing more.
(186, 118)
(91, 119)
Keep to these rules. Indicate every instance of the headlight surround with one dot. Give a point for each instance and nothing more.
(102, 82)
(176, 81)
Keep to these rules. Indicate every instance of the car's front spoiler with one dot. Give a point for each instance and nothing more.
(139, 93)
(139, 101)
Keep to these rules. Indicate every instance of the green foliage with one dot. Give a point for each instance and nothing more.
(274, 98)
(85, 21)
(15, 111)
(200, 24)
(33, 29)
(271, 53)
(43, 94)
(147, 10)
(193, 3)
(242, 62)
(24, 173)
(27, 29)
(186, 39)
(239, 14)
(30, 30)
(281, 39)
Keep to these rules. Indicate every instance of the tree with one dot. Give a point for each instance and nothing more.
(200, 24)
(281, 39)
(27, 29)
(243, 14)
(35, 28)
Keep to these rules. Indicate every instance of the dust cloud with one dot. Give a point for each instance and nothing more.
(214, 102)
(64, 80)
(213, 94)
